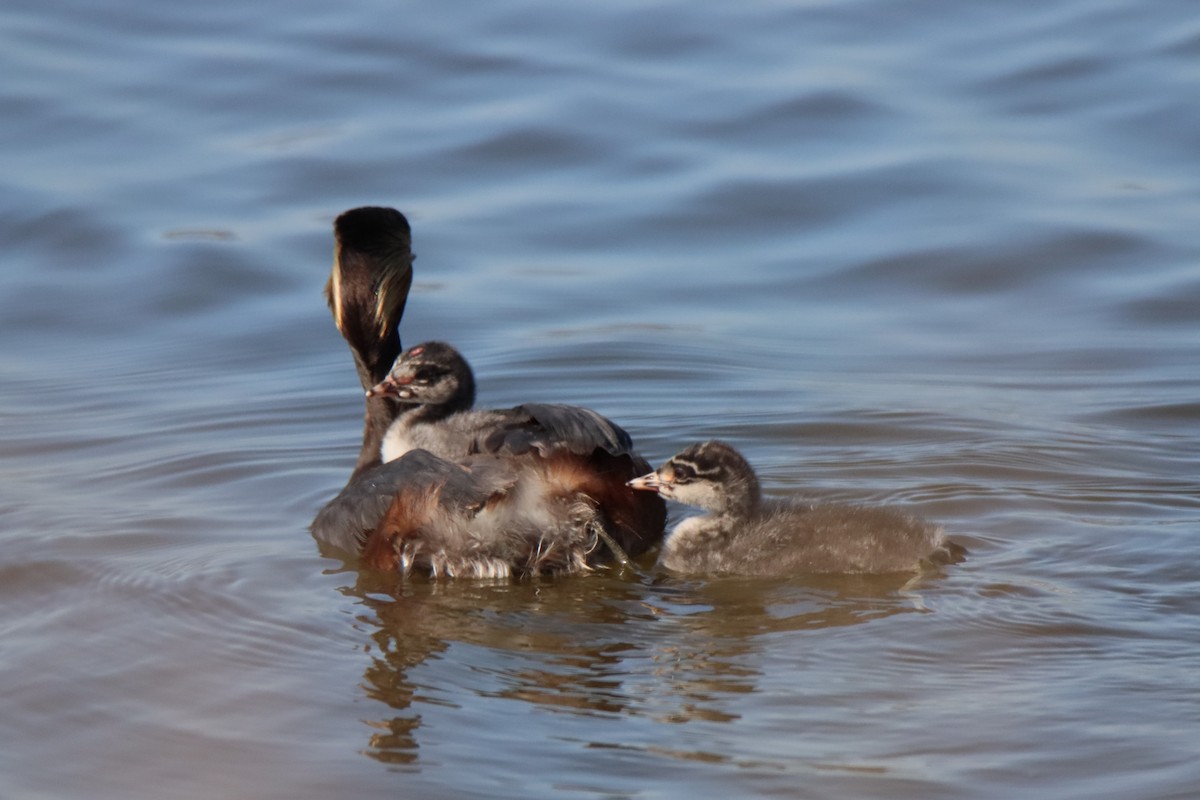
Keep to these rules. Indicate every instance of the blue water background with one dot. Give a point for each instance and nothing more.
(942, 255)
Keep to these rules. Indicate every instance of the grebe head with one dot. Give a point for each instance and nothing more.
(369, 284)
(431, 373)
(709, 475)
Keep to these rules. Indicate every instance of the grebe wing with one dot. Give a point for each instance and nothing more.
(545, 427)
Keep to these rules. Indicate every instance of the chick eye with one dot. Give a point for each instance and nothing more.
(684, 474)
(426, 375)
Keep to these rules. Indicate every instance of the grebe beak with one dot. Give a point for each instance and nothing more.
(392, 387)
(647, 483)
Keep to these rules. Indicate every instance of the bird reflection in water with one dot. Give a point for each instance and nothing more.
(606, 644)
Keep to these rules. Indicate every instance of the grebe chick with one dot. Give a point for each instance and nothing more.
(745, 535)
(433, 388)
(564, 457)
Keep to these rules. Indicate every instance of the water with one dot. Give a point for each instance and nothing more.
(935, 254)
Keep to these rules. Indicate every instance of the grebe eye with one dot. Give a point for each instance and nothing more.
(425, 375)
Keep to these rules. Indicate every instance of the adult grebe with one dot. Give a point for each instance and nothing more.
(744, 535)
(534, 489)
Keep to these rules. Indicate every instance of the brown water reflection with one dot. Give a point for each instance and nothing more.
(674, 651)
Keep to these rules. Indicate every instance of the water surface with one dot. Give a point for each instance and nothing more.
(934, 254)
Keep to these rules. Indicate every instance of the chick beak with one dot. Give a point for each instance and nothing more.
(651, 482)
(392, 386)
